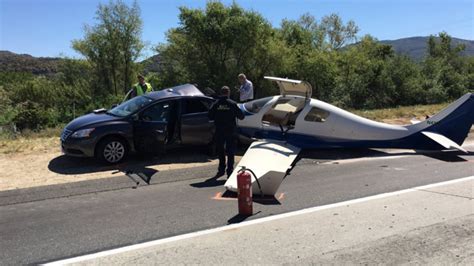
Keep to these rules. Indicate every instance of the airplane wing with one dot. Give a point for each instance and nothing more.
(269, 160)
(443, 141)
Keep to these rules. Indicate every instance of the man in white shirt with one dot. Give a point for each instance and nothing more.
(246, 89)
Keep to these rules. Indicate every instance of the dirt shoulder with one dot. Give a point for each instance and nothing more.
(49, 166)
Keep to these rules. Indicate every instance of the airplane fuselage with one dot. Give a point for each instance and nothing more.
(292, 121)
(316, 124)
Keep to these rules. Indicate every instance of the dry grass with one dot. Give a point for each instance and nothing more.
(401, 114)
(30, 141)
(28, 145)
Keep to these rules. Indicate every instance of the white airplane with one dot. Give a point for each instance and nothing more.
(292, 121)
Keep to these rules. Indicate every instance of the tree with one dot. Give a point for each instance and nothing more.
(212, 46)
(404, 76)
(314, 48)
(299, 33)
(363, 80)
(445, 71)
(328, 34)
(113, 45)
(336, 33)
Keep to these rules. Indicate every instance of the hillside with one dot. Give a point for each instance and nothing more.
(415, 47)
(12, 62)
(151, 64)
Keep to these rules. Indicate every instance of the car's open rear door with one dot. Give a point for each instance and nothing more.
(270, 161)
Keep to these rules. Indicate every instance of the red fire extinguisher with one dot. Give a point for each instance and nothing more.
(244, 192)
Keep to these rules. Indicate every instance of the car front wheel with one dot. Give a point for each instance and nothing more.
(112, 150)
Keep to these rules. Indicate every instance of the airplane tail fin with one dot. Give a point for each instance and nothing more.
(454, 122)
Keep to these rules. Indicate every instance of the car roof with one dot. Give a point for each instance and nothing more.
(181, 90)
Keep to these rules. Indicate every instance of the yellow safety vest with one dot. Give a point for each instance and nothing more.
(139, 89)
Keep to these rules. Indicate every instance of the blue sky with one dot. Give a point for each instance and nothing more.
(46, 27)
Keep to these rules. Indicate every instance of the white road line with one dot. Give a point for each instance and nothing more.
(251, 222)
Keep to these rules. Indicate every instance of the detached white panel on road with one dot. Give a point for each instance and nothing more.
(269, 160)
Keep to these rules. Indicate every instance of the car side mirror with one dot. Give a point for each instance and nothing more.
(135, 117)
(114, 105)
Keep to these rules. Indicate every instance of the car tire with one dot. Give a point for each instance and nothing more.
(112, 150)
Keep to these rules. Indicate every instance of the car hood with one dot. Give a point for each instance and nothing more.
(91, 119)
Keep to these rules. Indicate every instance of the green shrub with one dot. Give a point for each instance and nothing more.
(7, 111)
(33, 116)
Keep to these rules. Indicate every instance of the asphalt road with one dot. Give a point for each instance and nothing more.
(50, 223)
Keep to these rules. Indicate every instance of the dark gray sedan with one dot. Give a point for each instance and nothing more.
(150, 123)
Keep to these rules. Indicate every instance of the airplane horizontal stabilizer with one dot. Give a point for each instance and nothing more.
(443, 141)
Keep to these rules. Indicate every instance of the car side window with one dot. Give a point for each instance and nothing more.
(317, 115)
(192, 106)
(159, 112)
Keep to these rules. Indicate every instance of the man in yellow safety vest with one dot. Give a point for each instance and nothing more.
(141, 87)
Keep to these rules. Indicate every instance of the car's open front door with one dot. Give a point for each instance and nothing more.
(270, 161)
(151, 128)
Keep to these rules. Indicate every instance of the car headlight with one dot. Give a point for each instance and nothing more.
(83, 133)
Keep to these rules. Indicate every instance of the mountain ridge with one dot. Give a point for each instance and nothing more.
(416, 47)
(13, 62)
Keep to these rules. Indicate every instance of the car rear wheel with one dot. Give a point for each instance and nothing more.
(112, 150)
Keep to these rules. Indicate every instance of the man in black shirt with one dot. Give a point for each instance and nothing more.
(224, 113)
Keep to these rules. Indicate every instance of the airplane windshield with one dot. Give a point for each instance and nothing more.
(317, 115)
(255, 106)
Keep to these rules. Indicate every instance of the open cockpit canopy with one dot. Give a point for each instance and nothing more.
(292, 87)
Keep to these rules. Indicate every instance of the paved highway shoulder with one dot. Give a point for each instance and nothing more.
(428, 224)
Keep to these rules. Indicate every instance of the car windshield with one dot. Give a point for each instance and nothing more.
(130, 106)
